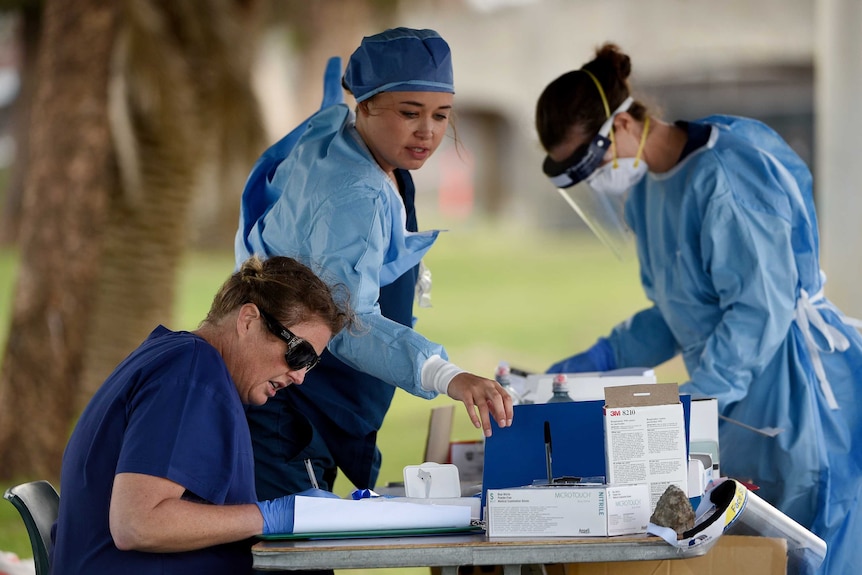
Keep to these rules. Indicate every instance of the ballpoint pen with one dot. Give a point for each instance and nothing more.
(311, 475)
(548, 452)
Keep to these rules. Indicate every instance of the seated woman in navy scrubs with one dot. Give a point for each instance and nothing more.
(158, 476)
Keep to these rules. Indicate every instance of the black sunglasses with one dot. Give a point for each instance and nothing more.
(300, 354)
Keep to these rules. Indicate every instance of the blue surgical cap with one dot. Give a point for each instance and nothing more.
(400, 60)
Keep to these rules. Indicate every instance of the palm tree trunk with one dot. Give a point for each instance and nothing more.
(65, 200)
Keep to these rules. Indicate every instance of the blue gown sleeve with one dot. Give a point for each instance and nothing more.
(747, 248)
(352, 248)
(599, 357)
(643, 340)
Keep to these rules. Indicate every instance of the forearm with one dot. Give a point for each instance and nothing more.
(176, 525)
(148, 513)
(389, 351)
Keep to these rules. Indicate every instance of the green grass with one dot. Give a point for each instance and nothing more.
(13, 537)
(499, 293)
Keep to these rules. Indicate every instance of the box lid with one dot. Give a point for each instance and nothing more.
(642, 395)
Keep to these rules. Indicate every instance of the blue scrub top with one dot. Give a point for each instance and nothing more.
(169, 410)
(728, 248)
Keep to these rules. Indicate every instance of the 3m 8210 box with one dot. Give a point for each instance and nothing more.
(645, 437)
(568, 510)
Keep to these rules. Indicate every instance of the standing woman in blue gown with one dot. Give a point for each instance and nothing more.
(726, 233)
(337, 194)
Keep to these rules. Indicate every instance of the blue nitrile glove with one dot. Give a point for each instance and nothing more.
(357, 494)
(278, 513)
(600, 357)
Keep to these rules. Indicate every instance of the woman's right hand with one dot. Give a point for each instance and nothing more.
(484, 398)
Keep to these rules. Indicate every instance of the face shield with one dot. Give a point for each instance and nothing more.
(598, 193)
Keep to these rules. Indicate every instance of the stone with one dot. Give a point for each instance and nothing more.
(674, 510)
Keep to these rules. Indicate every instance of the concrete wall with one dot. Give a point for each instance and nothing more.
(839, 140)
(761, 58)
(690, 57)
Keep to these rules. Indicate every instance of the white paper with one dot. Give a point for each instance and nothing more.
(325, 515)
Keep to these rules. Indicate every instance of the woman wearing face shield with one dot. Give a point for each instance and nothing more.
(727, 241)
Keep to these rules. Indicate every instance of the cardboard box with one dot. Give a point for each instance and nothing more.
(703, 432)
(628, 509)
(515, 455)
(645, 437)
(469, 458)
(698, 479)
(439, 434)
(568, 511)
(731, 554)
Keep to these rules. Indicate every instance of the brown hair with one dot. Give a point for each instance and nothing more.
(572, 101)
(284, 288)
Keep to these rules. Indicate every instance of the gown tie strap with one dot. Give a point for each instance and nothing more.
(809, 318)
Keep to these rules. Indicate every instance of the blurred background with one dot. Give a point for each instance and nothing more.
(127, 129)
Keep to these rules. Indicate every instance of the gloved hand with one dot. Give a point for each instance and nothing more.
(600, 357)
(278, 513)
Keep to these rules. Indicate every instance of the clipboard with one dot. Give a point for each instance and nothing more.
(468, 530)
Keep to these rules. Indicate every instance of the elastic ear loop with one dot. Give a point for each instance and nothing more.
(607, 113)
(642, 142)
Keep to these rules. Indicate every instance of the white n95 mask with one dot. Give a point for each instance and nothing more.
(619, 176)
(617, 180)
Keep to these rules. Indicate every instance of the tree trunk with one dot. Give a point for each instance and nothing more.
(135, 100)
(29, 26)
(184, 121)
(69, 179)
(229, 111)
(326, 28)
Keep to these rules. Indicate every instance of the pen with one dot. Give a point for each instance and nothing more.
(548, 452)
(311, 475)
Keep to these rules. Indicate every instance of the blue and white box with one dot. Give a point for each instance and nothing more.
(568, 510)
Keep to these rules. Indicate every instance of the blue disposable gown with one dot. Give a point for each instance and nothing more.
(728, 248)
(340, 213)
